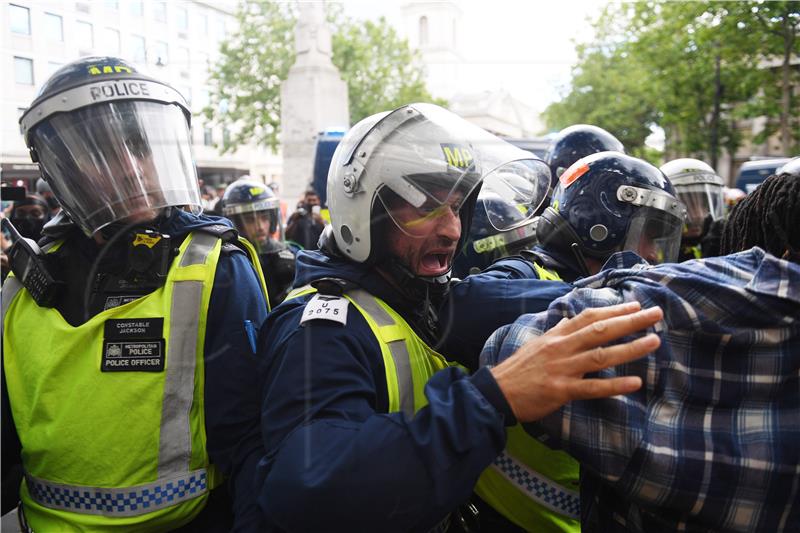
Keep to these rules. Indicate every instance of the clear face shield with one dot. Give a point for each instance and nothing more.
(260, 224)
(703, 201)
(430, 162)
(118, 161)
(654, 231)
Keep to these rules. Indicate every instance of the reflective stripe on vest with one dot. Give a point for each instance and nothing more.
(405, 356)
(129, 501)
(538, 487)
(178, 447)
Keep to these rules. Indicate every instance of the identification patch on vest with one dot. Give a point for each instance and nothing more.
(120, 299)
(134, 345)
(324, 307)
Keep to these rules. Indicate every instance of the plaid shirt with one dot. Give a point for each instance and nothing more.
(712, 439)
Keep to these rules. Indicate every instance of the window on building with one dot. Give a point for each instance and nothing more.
(54, 27)
(183, 18)
(182, 58)
(162, 53)
(136, 7)
(160, 11)
(201, 61)
(20, 112)
(208, 137)
(23, 70)
(138, 49)
(113, 5)
(423, 31)
(111, 41)
(219, 29)
(20, 19)
(85, 35)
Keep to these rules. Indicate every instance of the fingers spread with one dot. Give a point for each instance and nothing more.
(600, 332)
(587, 389)
(604, 357)
(588, 316)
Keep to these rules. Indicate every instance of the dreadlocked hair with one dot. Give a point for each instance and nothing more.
(768, 217)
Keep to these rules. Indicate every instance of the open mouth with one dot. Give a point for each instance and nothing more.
(436, 263)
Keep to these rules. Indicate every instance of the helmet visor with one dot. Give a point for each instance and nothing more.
(118, 161)
(433, 160)
(702, 200)
(262, 228)
(655, 235)
(523, 185)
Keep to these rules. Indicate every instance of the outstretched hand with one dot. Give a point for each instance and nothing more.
(547, 372)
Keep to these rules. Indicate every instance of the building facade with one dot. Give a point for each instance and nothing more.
(175, 41)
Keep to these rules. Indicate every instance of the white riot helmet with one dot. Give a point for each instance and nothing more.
(427, 157)
(700, 189)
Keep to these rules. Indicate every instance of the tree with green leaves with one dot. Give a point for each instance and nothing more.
(692, 68)
(380, 70)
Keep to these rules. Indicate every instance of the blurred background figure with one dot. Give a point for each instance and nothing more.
(44, 190)
(255, 211)
(306, 224)
(700, 188)
(30, 215)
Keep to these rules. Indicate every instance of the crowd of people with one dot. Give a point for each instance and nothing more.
(467, 338)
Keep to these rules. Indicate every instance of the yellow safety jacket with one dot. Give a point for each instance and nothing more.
(530, 484)
(110, 413)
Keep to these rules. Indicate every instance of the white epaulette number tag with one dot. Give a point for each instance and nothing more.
(324, 307)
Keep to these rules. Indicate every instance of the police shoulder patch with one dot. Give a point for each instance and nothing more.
(325, 307)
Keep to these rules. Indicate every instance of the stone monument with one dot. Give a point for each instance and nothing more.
(313, 98)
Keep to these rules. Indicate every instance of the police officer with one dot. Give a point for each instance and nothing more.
(486, 243)
(700, 189)
(255, 211)
(575, 142)
(366, 428)
(605, 203)
(120, 387)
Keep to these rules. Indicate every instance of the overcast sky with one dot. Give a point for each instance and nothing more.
(525, 47)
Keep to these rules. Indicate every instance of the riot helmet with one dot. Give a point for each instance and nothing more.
(575, 142)
(112, 143)
(485, 244)
(30, 215)
(255, 211)
(608, 202)
(700, 190)
(424, 160)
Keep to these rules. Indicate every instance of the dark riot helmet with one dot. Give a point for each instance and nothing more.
(575, 142)
(485, 243)
(112, 143)
(608, 202)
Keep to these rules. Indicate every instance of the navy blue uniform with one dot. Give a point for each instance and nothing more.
(335, 459)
